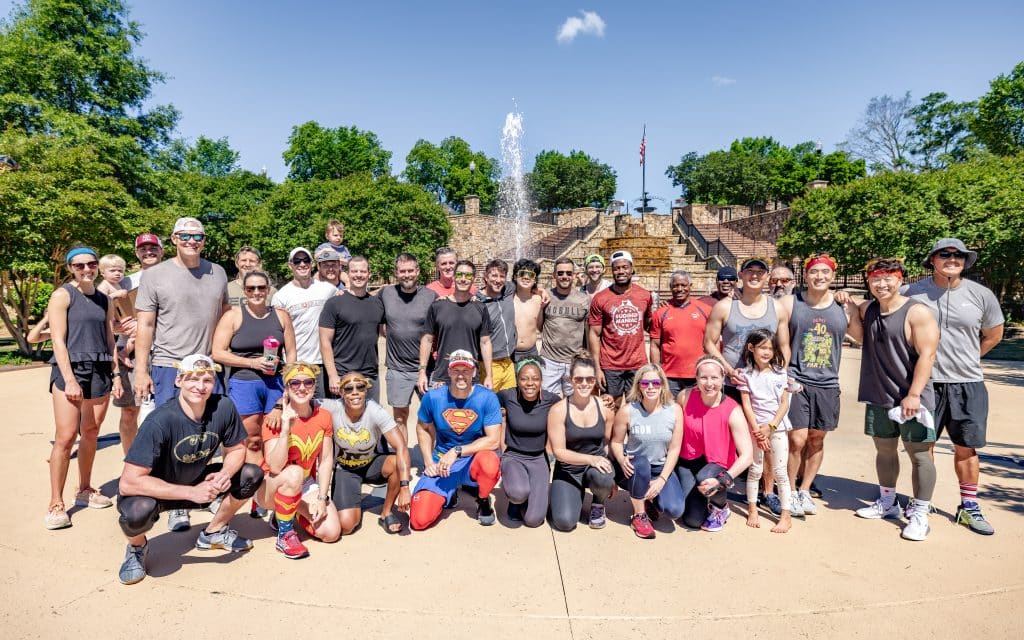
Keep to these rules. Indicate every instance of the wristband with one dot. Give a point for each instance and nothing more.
(403, 483)
(458, 451)
(773, 427)
(278, 407)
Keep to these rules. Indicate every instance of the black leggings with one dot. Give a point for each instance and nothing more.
(140, 513)
(567, 488)
(691, 473)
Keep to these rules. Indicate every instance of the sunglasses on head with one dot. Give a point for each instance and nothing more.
(464, 274)
(298, 261)
(301, 383)
(185, 237)
(78, 266)
(951, 254)
(354, 388)
(650, 383)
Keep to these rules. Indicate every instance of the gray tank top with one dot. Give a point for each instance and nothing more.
(738, 326)
(650, 433)
(888, 359)
(87, 327)
(816, 337)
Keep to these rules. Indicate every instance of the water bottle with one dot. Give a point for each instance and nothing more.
(270, 347)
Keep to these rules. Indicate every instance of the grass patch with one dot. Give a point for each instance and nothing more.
(13, 358)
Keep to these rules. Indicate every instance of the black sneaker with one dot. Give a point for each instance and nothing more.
(485, 512)
(452, 501)
(515, 512)
(815, 491)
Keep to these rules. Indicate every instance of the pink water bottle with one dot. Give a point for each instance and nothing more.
(270, 347)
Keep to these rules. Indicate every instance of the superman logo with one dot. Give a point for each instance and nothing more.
(459, 419)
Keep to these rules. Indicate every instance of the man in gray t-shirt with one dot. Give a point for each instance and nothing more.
(970, 325)
(565, 324)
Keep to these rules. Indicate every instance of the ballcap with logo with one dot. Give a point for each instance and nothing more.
(461, 358)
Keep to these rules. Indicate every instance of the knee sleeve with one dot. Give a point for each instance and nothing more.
(887, 462)
(485, 470)
(425, 509)
(923, 470)
(138, 514)
(246, 482)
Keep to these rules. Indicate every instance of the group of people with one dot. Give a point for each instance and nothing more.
(284, 385)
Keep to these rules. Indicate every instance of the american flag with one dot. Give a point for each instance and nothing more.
(643, 146)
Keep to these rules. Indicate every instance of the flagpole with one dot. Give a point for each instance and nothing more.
(643, 173)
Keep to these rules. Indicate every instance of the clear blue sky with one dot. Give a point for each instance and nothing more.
(408, 70)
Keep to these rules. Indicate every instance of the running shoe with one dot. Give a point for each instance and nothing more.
(227, 539)
(272, 522)
(133, 569)
(93, 499)
(796, 506)
(514, 512)
(917, 529)
(773, 503)
(969, 514)
(178, 520)
(597, 519)
(257, 512)
(485, 511)
(716, 519)
(642, 526)
(57, 518)
(452, 501)
(807, 503)
(289, 544)
(878, 510)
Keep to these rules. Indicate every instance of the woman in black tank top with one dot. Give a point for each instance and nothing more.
(254, 384)
(578, 432)
(83, 373)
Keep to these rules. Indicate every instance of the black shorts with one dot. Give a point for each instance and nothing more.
(962, 409)
(347, 488)
(617, 383)
(675, 385)
(815, 407)
(733, 392)
(95, 378)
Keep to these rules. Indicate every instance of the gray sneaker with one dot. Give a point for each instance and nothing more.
(807, 503)
(227, 539)
(773, 503)
(177, 520)
(969, 514)
(133, 569)
(597, 518)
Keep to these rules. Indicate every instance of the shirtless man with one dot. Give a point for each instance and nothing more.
(529, 308)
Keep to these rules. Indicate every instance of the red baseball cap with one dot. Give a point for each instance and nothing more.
(148, 238)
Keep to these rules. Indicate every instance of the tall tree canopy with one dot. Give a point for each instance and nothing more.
(882, 135)
(320, 153)
(1000, 120)
(560, 181)
(444, 171)
(941, 135)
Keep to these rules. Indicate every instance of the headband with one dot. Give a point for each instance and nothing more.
(823, 258)
(882, 272)
(77, 251)
(594, 258)
(293, 369)
(525, 361)
(355, 376)
(706, 359)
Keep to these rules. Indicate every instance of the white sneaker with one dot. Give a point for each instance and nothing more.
(807, 503)
(178, 520)
(796, 507)
(917, 529)
(877, 510)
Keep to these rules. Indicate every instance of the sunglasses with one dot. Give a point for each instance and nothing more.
(526, 274)
(656, 384)
(464, 274)
(780, 280)
(298, 261)
(563, 273)
(301, 383)
(727, 279)
(584, 379)
(78, 266)
(960, 255)
(185, 237)
(354, 388)
(256, 288)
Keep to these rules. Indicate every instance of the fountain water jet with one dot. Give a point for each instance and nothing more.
(513, 195)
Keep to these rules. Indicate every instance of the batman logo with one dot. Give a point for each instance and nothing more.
(197, 447)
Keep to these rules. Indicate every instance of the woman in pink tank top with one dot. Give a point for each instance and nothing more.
(716, 447)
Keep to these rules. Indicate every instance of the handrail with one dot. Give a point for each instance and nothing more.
(714, 251)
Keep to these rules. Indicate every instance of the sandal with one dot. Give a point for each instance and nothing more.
(389, 521)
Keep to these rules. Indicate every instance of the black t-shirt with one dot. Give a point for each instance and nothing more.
(527, 422)
(355, 320)
(176, 448)
(456, 325)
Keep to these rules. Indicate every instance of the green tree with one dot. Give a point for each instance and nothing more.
(1000, 121)
(682, 173)
(444, 171)
(382, 218)
(565, 182)
(213, 158)
(941, 134)
(318, 153)
(839, 169)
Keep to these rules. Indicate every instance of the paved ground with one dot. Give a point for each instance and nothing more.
(832, 576)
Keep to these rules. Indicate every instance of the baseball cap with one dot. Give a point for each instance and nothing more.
(951, 243)
(750, 262)
(621, 255)
(188, 224)
(461, 358)
(197, 363)
(327, 255)
(727, 273)
(148, 238)
(594, 257)
(297, 250)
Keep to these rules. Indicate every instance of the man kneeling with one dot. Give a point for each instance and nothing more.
(167, 466)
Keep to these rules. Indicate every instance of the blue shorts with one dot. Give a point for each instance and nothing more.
(163, 384)
(459, 477)
(255, 396)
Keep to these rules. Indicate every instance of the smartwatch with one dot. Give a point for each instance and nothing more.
(403, 483)
(458, 451)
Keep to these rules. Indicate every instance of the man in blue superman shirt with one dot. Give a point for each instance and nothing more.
(458, 425)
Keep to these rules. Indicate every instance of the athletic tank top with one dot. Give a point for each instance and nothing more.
(586, 440)
(650, 433)
(706, 431)
(248, 340)
(86, 337)
(888, 359)
(738, 326)
(816, 337)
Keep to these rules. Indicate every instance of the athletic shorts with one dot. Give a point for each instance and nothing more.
(555, 377)
(503, 374)
(618, 382)
(255, 396)
(401, 385)
(675, 385)
(95, 378)
(347, 488)
(962, 409)
(127, 399)
(526, 353)
(457, 477)
(815, 407)
(878, 424)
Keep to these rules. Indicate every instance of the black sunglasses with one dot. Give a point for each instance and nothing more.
(185, 237)
(563, 273)
(951, 254)
(298, 261)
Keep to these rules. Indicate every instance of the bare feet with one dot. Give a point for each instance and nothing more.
(785, 522)
(752, 519)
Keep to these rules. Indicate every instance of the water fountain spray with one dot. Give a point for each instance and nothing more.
(513, 195)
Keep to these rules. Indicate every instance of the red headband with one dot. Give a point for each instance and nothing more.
(882, 272)
(820, 260)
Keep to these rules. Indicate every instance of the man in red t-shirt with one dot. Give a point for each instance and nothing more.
(619, 316)
(444, 260)
(677, 334)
